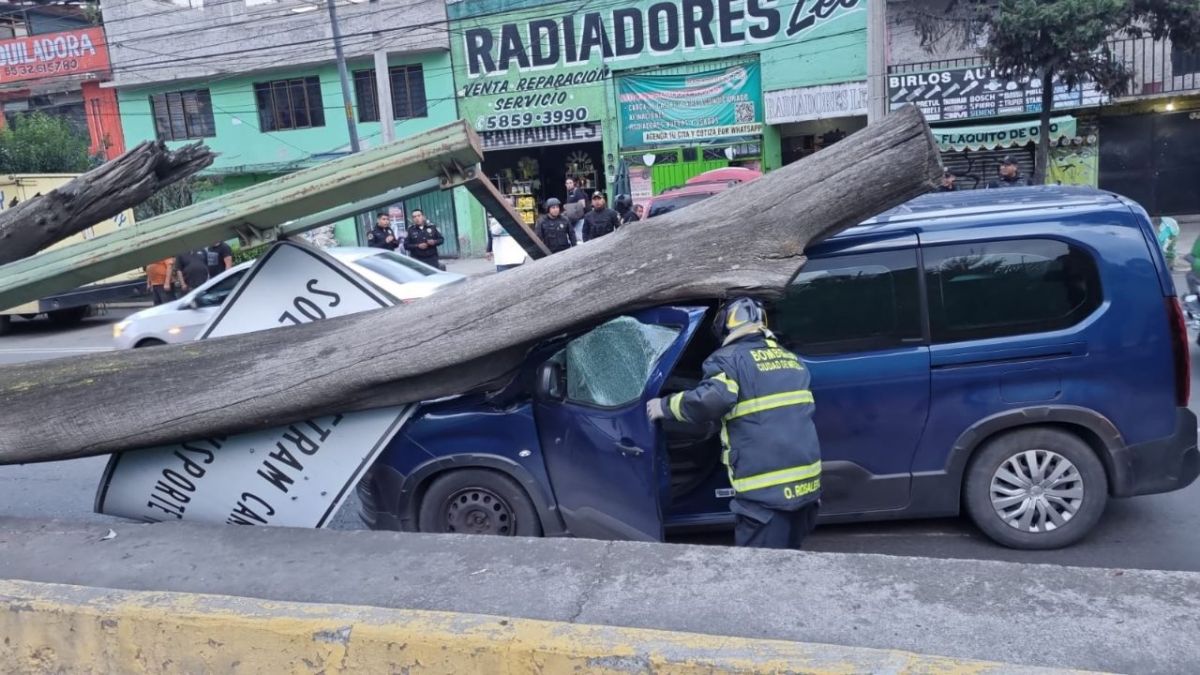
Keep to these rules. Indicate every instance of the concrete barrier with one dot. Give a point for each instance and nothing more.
(58, 628)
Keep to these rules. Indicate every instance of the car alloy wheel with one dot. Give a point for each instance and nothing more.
(1036, 491)
(478, 510)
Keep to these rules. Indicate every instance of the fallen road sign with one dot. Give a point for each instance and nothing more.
(297, 475)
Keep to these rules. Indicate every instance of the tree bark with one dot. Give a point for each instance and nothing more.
(95, 196)
(1041, 164)
(747, 240)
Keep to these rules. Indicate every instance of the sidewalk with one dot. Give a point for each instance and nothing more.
(472, 267)
(1132, 621)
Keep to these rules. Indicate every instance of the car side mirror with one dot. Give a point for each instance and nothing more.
(551, 381)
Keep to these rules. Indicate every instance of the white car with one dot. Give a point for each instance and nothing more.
(182, 320)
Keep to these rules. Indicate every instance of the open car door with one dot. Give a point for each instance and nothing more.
(606, 461)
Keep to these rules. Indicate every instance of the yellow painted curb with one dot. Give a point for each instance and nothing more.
(58, 628)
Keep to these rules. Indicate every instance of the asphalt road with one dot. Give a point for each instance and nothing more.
(1156, 532)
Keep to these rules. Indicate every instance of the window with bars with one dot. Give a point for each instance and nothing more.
(290, 104)
(180, 115)
(408, 93)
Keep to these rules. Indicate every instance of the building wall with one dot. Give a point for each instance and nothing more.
(157, 41)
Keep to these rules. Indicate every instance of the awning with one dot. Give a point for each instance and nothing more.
(996, 136)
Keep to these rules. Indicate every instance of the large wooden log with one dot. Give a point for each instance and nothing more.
(96, 196)
(750, 239)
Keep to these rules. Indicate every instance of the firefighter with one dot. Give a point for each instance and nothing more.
(554, 229)
(759, 392)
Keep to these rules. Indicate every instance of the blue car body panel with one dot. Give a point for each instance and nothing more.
(897, 425)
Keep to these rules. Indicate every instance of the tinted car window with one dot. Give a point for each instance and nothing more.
(396, 267)
(994, 289)
(851, 303)
(216, 294)
(610, 365)
(663, 205)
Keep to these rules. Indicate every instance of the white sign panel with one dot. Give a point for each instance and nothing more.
(296, 475)
(813, 103)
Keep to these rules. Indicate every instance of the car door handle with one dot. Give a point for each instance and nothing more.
(630, 450)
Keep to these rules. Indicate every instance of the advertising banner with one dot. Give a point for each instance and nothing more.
(993, 136)
(534, 63)
(695, 108)
(847, 99)
(296, 475)
(968, 93)
(72, 52)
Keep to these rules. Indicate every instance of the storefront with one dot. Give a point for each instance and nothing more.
(813, 118)
(644, 94)
(1150, 154)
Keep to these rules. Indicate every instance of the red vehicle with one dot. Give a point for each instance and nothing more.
(698, 188)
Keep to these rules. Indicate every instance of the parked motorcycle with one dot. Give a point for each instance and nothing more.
(1191, 299)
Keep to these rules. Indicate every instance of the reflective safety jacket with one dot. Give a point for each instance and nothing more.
(759, 392)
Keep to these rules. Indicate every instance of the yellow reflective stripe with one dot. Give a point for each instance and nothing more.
(729, 384)
(773, 478)
(764, 403)
(676, 403)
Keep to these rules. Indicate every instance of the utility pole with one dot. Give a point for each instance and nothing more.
(876, 60)
(343, 74)
(383, 88)
(362, 221)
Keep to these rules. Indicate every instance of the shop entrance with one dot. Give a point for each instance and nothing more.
(530, 176)
(1152, 159)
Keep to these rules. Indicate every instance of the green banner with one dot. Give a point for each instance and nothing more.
(694, 108)
(994, 136)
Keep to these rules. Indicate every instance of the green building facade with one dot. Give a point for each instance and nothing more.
(642, 95)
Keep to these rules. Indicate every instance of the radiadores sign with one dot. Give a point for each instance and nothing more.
(53, 55)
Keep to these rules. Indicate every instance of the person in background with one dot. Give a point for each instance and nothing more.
(382, 235)
(624, 209)
(639, 211)
(948, 182)
(191, 269)
(1010, 175)
(601, 220)
(758, 392)
(555, 231)
(502, 248)
(576, 196)
(218, 258)
(422, 240)
(158, 280)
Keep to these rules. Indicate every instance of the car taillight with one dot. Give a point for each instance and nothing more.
(1183, 358)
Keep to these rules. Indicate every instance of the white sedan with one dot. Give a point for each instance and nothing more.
(182, 320)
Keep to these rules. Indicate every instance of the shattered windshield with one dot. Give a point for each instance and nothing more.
(611, 365)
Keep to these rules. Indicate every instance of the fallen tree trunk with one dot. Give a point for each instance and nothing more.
(749, 239)
(96, 196)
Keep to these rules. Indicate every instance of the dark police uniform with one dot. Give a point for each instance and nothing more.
(377, 238)
(599, 223)
(557, 233)
(760, 393)
(424, 234)
(1007, 182)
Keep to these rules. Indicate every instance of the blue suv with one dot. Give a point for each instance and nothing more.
(1019, 355)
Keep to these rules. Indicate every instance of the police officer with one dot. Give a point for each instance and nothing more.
(554, 229)
(601, 220)
(423, 239)
(382, 236)
(624, 209)
(759, 392)
(1010, 175)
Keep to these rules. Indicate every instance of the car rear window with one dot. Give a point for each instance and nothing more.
(395, 267)
(1002, 288)
(663, 205)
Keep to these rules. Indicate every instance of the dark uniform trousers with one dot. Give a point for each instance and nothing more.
(759, 392)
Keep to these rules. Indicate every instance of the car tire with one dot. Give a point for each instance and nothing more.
(149, 342)
(68, 317)
(1036, 488)
(478, 501)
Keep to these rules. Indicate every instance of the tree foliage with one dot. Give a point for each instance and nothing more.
(1064, 40)
(41, 143)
